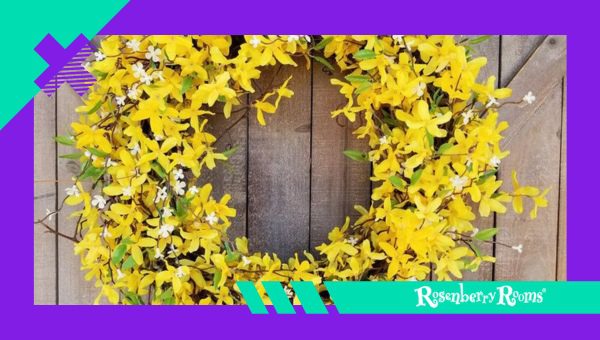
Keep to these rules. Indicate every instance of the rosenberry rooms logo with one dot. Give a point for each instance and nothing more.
(503, 295)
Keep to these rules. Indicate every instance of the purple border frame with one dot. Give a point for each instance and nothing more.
(24, 320)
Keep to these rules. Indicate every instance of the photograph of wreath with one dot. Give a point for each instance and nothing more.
(150, 232)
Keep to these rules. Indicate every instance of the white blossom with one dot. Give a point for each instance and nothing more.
(383, 140)
(133, 92)
(193, 190)
(161, 195)
(211, 218)
(495, 161)
(106, 233)
(109, 162)
(49, 214)
(72, 191)
(419, 89)
(172, 250)
(255, 41)
(153, 54)
(352, 240)
(135, 149)
(491, 101)
(138, 70)
(178, 174)
(518, 248)
(158, 254)
(98, 201)
(398, 38)
(458, 182)
(288, 292)
(167, 212)
(133, 44)
(146, 79)
(120, 274)
(246, 261)
(165, 230)
(99, 56)
(307, 38)
(467, 116)
(179, 188)
(179, 272)
(127, 191)
(293, 38)
(529, 98)
(120, 100)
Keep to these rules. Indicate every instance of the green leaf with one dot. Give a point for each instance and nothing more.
(158, 169)
(181, 207)
(97, 152)
(167, 297)
(486, 234)
(415, 176)
(357, 78)
(118, 253)
(362, 88)
(75, 155)
(133, 298)
(479, 39)
(95, 107)
(361, 210)
(230, 152)
(126, 241)
(430, 138)
(324, 62)
(364, 55)
(92, 172)
(65, 140)
(232, 257)
(397, 182)
(187, 83)
(486, 175)
(217, 278)
(99, 74)
(321, 45)
(356, 155)
(128, 264)
(443, 148)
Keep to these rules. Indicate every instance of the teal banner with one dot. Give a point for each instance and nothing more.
(528, 297)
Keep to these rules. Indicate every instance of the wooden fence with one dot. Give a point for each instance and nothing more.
(291, 183)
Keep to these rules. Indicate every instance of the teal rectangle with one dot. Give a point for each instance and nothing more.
(531, 297)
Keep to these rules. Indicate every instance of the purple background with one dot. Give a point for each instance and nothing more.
(24, 320)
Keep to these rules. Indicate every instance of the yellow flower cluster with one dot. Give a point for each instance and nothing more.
(152, 234)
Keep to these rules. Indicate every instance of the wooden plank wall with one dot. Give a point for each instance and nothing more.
(291, 183)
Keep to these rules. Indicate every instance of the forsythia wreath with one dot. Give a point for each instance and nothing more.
(148, 232)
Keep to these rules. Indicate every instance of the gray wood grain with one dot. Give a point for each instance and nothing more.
(534, 139)
(44, 200)
(230, 176)
(279, 169)
(561, 264)
(72, 288)
(516, 50)
(337, 183)
(491, 50)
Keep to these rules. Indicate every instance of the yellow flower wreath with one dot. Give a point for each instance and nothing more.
(150, 235)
